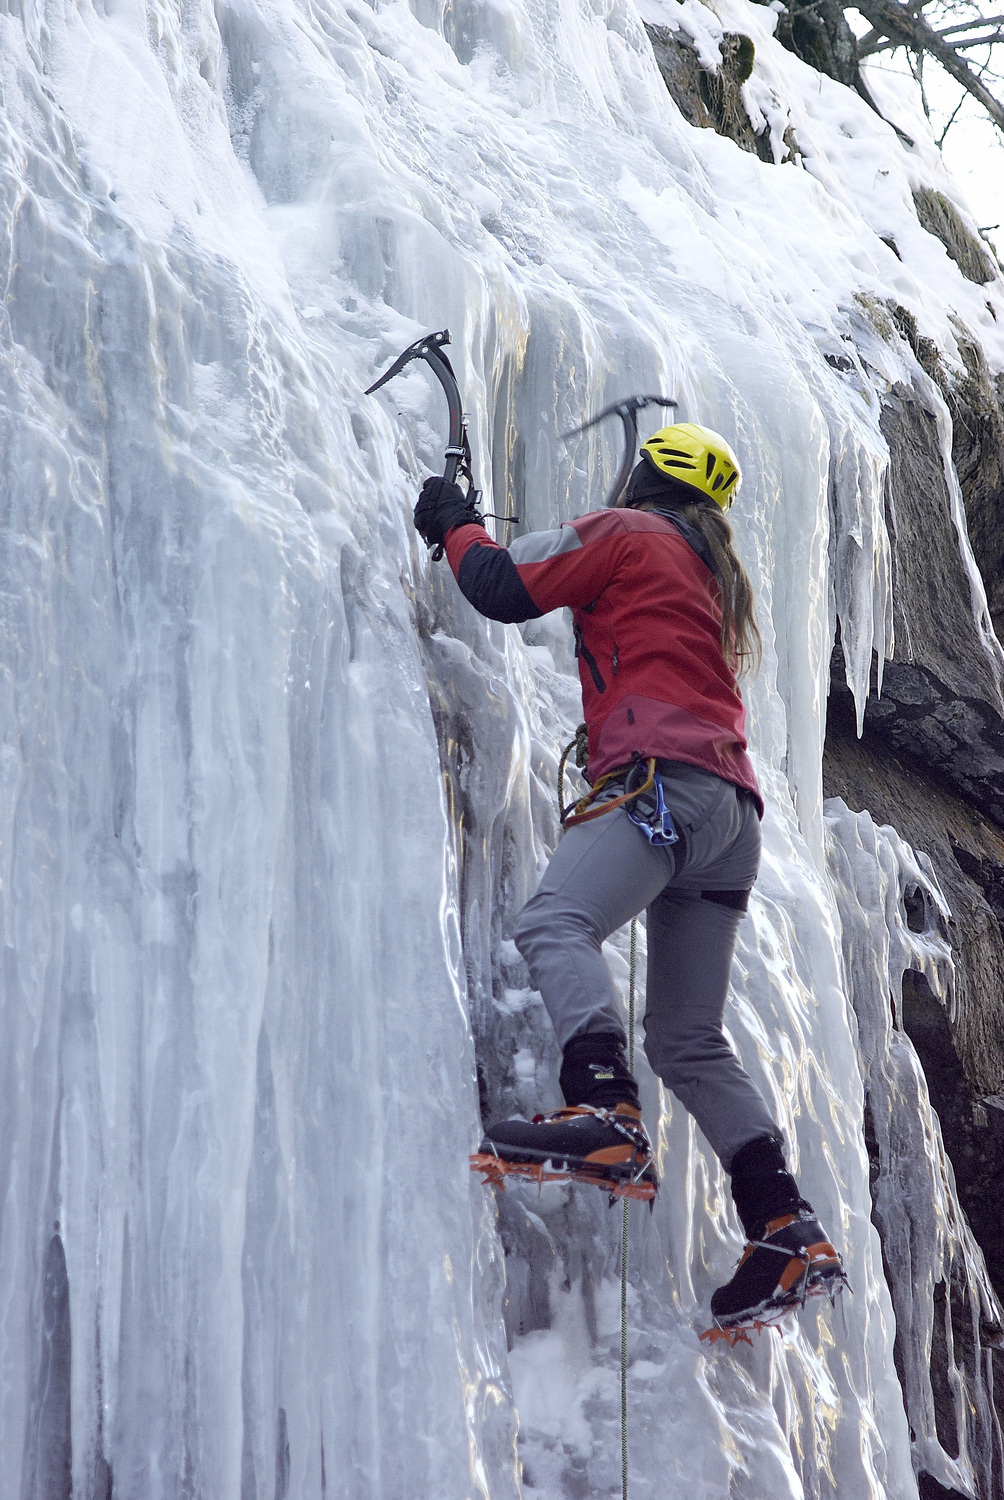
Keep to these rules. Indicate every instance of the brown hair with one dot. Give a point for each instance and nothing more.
(649, 489)
(742, 644)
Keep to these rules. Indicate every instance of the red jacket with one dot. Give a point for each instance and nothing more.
(647, 632)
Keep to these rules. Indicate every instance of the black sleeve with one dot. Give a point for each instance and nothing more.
(488, 578)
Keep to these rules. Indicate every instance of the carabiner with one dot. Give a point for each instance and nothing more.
(657, 824)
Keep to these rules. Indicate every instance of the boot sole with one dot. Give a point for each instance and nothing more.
(618, 1180)
(567, 1161)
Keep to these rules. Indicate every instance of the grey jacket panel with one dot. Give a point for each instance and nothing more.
(538, 546)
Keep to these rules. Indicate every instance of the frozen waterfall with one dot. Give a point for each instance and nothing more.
(273, 793)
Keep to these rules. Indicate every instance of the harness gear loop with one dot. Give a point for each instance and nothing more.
(583, 811)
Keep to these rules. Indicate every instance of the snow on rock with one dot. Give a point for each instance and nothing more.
(263, 768)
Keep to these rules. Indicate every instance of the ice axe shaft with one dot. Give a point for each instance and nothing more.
(627, 409)
(458, 451)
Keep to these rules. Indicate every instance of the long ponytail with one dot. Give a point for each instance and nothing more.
(742, 644)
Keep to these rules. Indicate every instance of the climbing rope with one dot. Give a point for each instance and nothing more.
(580, 745)
(581, 812)
(584, 811)
(624, 1231)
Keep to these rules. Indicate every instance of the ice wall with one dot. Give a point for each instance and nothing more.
(240, 1253)
(894, 922)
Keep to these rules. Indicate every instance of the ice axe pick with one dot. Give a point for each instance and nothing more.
(458, 451)
(627, 409)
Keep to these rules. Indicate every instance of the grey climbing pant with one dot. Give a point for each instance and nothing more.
(605, 872)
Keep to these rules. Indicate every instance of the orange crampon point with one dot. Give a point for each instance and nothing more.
(496, 1170)
(739, 1335)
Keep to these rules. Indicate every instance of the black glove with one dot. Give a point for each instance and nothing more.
(441, 506)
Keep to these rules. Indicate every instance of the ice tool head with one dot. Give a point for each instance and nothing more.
(458, 452)
(698, 457)
(627, 409)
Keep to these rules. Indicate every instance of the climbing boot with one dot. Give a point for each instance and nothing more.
(605, 1148)
(794, 1260)
(598, 1138)
(787, 1256)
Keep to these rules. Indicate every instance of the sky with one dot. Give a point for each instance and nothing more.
(974, 154)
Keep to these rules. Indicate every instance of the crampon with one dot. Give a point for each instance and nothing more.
(738, 1335)
(604, 1148)
(496, 1170)
(811, 1271)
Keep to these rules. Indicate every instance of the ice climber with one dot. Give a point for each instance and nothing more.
(663, 619)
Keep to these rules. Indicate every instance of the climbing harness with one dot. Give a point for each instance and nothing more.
(627, 409)
(585, 809)
(644, 803)
(458, 450)
(591, 806)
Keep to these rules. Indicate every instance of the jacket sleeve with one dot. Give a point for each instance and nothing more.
(538, 573)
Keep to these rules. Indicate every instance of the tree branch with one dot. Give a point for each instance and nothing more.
(951, 121)
(917, 69)
(889, 44)
(979, 41)
(969, 25)
(906, 30)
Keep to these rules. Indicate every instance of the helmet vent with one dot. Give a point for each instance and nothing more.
(711, 466)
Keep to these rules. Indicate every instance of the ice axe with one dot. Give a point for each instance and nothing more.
(627, 409)
(458, 452)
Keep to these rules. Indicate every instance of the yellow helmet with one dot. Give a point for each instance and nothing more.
(696, 456)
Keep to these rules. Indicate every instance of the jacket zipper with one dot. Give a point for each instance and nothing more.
(581, 649)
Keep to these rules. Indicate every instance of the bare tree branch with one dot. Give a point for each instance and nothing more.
(889, 44)
(976, 22)
(906, 29)
(980, 41)
(951, 121)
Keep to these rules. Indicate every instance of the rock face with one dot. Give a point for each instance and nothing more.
(929, 762)
(941, 218)
(818, 33)
(931, 756)
(940, 699)
(710, 100)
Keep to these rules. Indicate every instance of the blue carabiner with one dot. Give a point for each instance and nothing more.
(657, 826)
